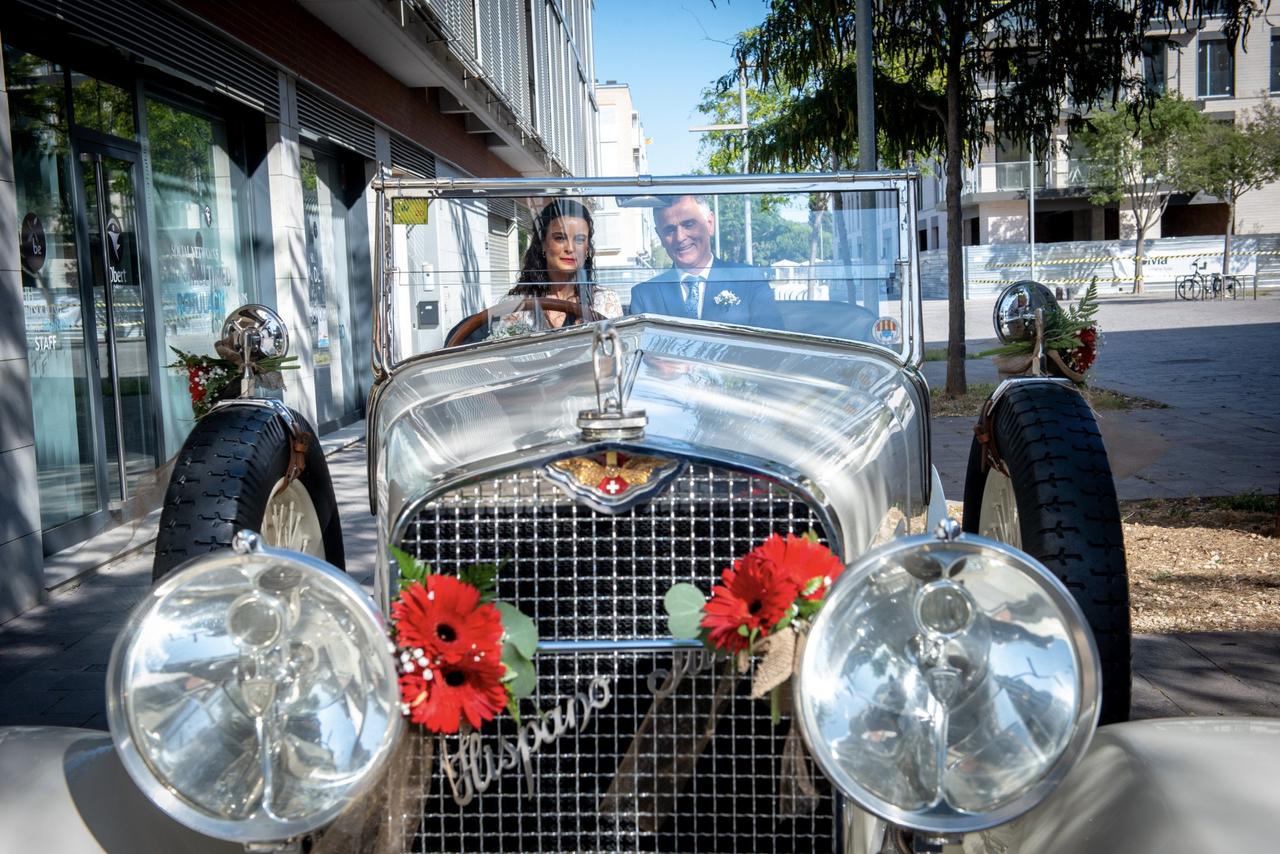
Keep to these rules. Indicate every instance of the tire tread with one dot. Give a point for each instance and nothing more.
(1070, 518)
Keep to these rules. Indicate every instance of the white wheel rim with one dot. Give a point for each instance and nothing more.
(291, 521)
(998, 516)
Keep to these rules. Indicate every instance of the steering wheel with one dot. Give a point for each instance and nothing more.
(466, 328)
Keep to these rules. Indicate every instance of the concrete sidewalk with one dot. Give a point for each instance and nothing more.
(1212, 363)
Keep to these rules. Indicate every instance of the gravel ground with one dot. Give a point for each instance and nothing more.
(1197, 564)
(1202, 565)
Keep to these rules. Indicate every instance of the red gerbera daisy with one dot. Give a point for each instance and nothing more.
(756, 593)
(444, 618)
(196, 378)
(805, 560)
(472, 688)
(414, 691)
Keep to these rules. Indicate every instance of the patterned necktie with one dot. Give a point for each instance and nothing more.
(693, 294)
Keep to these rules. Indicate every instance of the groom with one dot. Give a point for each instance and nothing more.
(701, 285)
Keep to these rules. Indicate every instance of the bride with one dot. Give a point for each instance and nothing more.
(558, 264)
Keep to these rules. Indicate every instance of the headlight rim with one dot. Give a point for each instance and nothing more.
(1089, 685)
(140, 770)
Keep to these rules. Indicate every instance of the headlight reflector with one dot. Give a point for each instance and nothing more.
(252, 695)
(948, 683)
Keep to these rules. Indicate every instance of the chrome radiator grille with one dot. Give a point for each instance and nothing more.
(730, 802)
(585, 575)
(596, 581)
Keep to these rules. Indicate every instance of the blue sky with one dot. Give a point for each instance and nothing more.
(668, 51)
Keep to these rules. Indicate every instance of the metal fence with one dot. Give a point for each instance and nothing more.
(1073, 265)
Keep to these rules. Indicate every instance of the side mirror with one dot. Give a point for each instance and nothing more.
(255, 332)
(1015, 310)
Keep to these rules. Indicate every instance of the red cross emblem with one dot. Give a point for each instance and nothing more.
(613, 485)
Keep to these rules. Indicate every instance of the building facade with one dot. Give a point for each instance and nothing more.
(1224, 79)
(162, 163)
(624, 236)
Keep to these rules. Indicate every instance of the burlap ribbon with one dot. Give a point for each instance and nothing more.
(658, 765)
(781, 659)
(385, 819)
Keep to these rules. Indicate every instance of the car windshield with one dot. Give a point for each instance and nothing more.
(472, 264)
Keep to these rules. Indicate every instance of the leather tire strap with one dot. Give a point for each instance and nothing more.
(984, 430)
(299, 444)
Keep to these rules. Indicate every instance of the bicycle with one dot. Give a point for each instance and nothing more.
(1201, 285)
(1232, 284)
(1193, 286)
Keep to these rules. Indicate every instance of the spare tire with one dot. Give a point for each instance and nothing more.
(230, 476)
(1058, 504)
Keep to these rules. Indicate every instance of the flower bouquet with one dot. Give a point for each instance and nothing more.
(761, 609)
(462, 656)
(209, 377)
(1071, 341)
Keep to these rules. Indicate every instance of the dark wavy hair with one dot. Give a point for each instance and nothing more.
(533, 269)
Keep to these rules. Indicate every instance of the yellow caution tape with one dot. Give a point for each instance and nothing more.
(1058, 262)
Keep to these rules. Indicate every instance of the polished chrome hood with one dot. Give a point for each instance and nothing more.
(844, 422)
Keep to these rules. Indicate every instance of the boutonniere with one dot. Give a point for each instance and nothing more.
(727, 298)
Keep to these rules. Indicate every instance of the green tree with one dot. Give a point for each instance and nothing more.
(949, 75)
(774, 237)
(1136, 161)
(1229, 160)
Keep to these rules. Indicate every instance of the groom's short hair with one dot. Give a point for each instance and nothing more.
(700, 201)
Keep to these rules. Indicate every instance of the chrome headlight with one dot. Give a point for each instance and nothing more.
(948, 683)
(252, 695)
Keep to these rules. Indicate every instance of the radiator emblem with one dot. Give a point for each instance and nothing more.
(612, 481)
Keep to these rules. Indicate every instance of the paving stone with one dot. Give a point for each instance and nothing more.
(1149, 701)
(19, 718)
(1197, 684)
(1249, 656)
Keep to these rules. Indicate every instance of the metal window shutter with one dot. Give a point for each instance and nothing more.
(458, 19)
(465, 13)
(319, 115)
(173, 41)
(412, 158)
(513, 52)
(546, 79)
(501, 218)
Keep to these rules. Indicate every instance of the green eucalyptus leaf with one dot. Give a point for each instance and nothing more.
(744, 631)
(525, 679)
(513, 708)
(521, 631)
(684, 610)
(811, 535)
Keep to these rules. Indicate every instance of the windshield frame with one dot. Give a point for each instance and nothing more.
(387, 187)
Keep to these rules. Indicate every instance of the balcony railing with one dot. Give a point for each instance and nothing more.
(1016, 176)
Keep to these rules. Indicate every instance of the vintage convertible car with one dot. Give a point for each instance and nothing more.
(603, 449)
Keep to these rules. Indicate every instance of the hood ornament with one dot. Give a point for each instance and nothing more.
(609, 421)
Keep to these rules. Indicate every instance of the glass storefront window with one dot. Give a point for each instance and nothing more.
(52, 303)
(199, 272)
(324, 220)
(101, 106)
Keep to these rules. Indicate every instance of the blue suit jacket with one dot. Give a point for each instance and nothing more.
(755, 307)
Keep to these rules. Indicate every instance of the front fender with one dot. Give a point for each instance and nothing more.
(64, 790)
(1204, 785)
